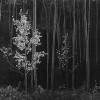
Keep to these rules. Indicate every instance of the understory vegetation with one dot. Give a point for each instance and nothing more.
(14, 93)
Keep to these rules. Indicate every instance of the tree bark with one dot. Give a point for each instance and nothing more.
(86, 26)
(64, 26)
(53, 49)
(34, 48)
(0, 10)
(9, 7)
(26, 87)
(25, 72)
(73, 41)
(80, 49)
(97, 33)
(48, 24)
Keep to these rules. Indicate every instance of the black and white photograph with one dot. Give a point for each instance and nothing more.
(49, 50)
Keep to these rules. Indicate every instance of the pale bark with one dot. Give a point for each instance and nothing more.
(25, 56)
(34, 48)
(79, 35)
(9, 7)
(0, 10)
(53, 49)
(86, 26)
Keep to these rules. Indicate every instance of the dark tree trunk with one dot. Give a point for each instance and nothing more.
(96, 34)
(73, 43)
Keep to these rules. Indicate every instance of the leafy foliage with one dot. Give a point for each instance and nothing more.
(63, 53)
(13, 94)
(6, 51)
(23, 42)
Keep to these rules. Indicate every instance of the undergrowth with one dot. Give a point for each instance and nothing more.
(11, 93)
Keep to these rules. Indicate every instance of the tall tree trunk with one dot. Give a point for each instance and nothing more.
(9, 21)
(87, 49)
(0, 9)
(97, 33)
(16, 11)
(85, 30)
(73, 41)
(58, 38)
(59, 35)
(34, 48)
(47, 58)
(23, 5)
(47, 24)
(11, 35)
(80, 55)
(47, 11)
(76, 36)
(11, 31)
(64, 28)
(58, 29)
(53, 49)
(25, 72)
(86, 25)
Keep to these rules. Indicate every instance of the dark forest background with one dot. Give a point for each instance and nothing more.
(70, 18)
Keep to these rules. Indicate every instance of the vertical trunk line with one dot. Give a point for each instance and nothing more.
(96, 33)
(16, 11)
(23, 4)
(58, 38)
(87, 51)
(0, 10)
(85, 27)
(87, 43)
(25, 71)
(53, 49)
(12, 29)
(11, 35)
(79, 36)
(9, 20)
(73, 52)
(48, 54)
(64, 25)
(47, 24)
(34, 48)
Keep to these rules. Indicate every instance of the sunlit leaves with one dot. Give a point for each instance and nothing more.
(18, 55)
(36, 38)
(6, 51)
(37, 56)
(20, 42)
(23, 26)
(22, 31)
(23, 42)
(12, 93)
(63, 53)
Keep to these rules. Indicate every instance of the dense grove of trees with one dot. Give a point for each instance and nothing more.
(54, 18)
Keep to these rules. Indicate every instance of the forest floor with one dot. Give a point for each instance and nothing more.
(11, 93)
